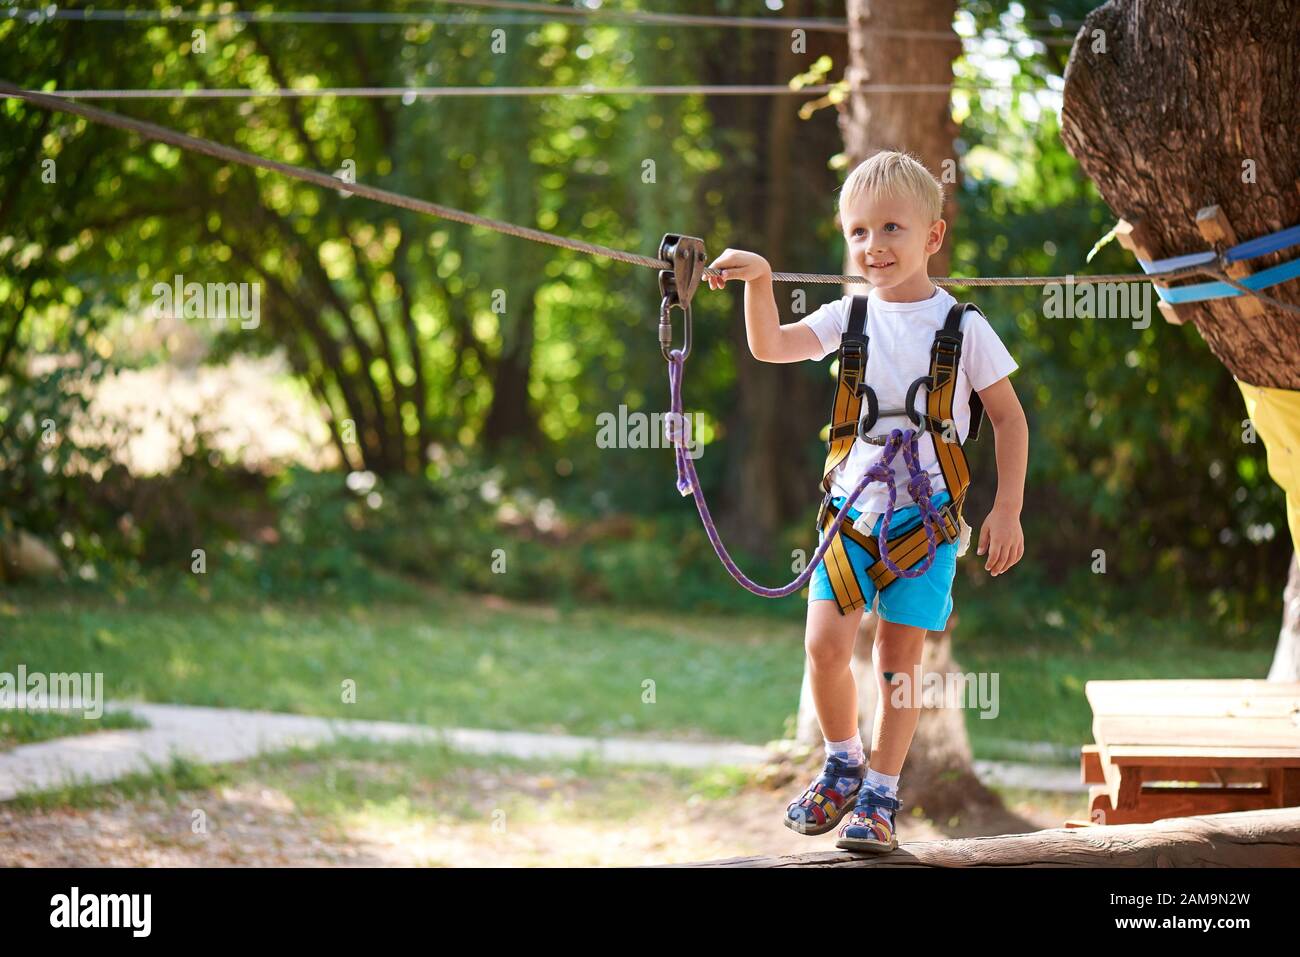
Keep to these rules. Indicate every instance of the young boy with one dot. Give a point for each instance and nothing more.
(890, 209)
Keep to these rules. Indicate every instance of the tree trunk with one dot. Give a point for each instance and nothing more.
(511, 419)
(918, 123)
(771, 478)
(1171, 108)
(1186, 100)
(938, 773)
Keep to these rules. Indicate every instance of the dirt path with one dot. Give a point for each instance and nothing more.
(333, 810)
(523, 820)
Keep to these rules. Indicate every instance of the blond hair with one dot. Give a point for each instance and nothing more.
(893, 174)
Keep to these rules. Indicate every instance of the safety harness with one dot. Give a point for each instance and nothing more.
(678, 284)
(909, 547)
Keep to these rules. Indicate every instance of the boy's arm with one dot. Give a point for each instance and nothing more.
(770, 341)
(1001, 535)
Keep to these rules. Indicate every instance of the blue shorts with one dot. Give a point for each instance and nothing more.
(924, 601)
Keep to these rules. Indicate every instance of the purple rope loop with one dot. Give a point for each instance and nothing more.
(918, 486)
(688, 483)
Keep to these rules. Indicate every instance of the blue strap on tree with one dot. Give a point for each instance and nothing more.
(1250, 249)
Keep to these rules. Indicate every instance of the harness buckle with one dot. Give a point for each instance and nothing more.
(948, 510)
(855, 350)
(952, 342)
(821, 512)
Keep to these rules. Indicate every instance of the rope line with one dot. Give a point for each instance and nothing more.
(544, 11)
(1264, 279)
(229, 154)
(436, 92)
(416, 17)
(1257, 294)
(39, 16)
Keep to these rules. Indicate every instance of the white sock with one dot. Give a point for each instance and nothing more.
(883, 784)
(849, 751)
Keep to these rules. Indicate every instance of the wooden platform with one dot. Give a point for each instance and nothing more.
(1177, 748)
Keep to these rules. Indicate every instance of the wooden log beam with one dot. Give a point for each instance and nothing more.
(1137, 239)
(1268, 838)
(1218, 232)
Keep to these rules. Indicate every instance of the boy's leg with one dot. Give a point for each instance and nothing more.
(898, 651)
(828, 641)
(871, 827)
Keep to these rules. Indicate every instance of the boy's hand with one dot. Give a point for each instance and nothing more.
(1002, 538)
(738, 264)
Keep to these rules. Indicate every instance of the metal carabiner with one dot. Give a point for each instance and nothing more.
(666, 323)
(678, 285)
(865, 424)
(909, 404)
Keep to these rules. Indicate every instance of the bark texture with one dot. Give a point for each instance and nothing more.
(1173, 107)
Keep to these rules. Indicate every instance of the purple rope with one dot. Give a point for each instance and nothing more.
(918, 486)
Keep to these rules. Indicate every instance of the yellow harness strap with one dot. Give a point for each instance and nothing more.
(910, 547)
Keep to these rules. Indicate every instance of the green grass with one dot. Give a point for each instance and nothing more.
(168, 782)
(383, 778)
(1045, 644)
(454, 659)
(447, 661)
(24, 726)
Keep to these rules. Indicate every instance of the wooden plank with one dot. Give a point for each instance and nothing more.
(1090, 765)
(1100, 808)
(1187, 802)
(1280, 733)
(1182, 803)
(1126, 787)
(1213, 756)
(1287, 781)
(1205, 775)
(1137, 239)
(1101, 693)
(1209, 706)
(1122, 784)
(1111, 775)
(1216, 229)
(1196, 685)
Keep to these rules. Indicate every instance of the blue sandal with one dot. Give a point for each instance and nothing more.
(821, 807)
(871, 828)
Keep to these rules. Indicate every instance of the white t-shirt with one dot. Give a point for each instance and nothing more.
(898, 352)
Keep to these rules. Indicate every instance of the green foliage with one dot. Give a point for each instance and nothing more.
(401, 325)
(48, 447)
(1136, 433)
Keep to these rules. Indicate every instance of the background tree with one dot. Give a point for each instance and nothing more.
(1170, 109)
(395, 325)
